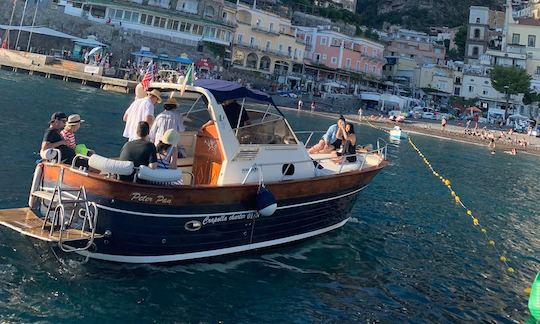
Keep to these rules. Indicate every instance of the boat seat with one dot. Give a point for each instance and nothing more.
(187, 161)
(110, 166)
(159, 176)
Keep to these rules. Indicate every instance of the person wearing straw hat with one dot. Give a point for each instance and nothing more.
(170, 118)
(140, 110)
(73, 124)
(167, 150)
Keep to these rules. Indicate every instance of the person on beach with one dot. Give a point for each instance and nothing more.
(313, 106)
(53, 139)
(330, 140)
(443, 123)
(511, 152)
(360, 114)
(140, 110)
(168, 119)
(300, 104)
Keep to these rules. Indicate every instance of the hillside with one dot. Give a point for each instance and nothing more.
(419, 14)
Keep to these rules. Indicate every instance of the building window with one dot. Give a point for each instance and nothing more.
(258, 23)
(240, 38)
(357, 65)
(271, 28)
(324, 40)
(324, 57)
(532, 41)
(475, 51)
(209, 12)
(252, 41)
(280, 48)
(334, 60)
(477, 33)
(538, 70)
(515, 38)
(471, 89)
(366, 68)
(456, 91)
(477, 20)
(348, 63)
(268, 45)
(317, 57)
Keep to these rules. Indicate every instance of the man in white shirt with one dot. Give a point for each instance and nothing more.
(140, 110)
(168, 119)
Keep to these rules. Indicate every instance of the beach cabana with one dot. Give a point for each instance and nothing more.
(143, 56)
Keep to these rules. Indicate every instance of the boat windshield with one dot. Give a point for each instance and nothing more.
(264, 126)
(194, 109)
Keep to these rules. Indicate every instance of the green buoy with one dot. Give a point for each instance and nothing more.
(534, 298)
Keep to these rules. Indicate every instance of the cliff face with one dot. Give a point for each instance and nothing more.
(420, 14)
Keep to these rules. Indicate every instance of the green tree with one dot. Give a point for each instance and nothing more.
(510, 80)
(460, 39)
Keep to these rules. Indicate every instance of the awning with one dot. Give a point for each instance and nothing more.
(54, 33)
(225, 90)
(183, 60)
(204, 63)
(144, 54)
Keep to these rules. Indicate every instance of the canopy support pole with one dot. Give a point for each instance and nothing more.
(240, 116)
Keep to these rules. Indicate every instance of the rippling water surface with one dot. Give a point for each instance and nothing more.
(408, 253)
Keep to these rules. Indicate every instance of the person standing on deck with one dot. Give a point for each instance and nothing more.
(168, 119)
(140, 110)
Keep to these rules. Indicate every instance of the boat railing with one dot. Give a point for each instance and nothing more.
(310, 135)
(381, 151)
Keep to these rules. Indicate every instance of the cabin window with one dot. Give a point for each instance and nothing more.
(287, 169)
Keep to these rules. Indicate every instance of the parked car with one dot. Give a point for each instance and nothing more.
(288, 94)
(428, 115)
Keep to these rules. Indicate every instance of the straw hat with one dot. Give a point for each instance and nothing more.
(74, 120)
(156, 94)
(170, 137)
(171, 101)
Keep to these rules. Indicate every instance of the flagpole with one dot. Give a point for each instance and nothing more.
(22, 21)
(33, 23)
(11, 21)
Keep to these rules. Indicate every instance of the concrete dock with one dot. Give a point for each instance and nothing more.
(52, 67)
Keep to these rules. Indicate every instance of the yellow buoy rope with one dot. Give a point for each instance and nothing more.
(446, 182)
(475, 221)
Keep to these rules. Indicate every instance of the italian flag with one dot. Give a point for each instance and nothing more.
(188, 79)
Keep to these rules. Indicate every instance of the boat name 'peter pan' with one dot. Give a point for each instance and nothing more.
(151, 198)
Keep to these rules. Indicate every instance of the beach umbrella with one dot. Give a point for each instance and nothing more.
(473, 110)
(94, 50)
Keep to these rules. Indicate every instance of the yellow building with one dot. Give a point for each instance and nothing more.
(265, 42)
(525, 32)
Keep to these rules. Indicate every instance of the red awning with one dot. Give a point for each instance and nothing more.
(204, 63)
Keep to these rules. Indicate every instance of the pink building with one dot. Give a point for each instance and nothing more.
(341, 52)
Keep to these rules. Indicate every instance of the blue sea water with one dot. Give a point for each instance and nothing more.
(409, 254)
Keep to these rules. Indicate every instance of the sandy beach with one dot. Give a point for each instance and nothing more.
(451, 132)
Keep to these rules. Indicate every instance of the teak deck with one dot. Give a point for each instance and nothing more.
(25, 221)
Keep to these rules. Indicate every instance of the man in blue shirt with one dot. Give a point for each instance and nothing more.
(329, 141)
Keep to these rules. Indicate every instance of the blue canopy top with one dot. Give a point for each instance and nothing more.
(183, 60)
(225, 90)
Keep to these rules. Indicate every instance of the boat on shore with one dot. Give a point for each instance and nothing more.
(244, 187)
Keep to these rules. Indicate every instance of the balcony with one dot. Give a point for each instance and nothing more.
(246, 45)
(277, 53)
(261, 30)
